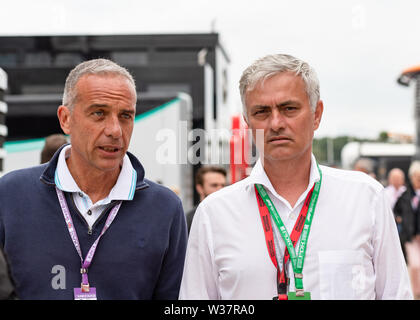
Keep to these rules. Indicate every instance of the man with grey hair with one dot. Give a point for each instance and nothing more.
(365, 165)
(293, 229)
(87, 224)
(396, 185)
(407, 214)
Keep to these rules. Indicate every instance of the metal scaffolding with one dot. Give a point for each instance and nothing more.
(407, 76)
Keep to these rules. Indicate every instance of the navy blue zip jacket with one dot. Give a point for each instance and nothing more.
(141, 255)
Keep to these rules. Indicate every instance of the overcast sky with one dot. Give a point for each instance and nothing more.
(358, 48)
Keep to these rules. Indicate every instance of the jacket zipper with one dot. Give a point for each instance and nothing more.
(80, 215)
(90, 229)
(87, 224)
(107, 208)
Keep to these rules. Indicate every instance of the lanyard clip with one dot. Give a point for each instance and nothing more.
(85, 287)
(85, 284)
(300, 293)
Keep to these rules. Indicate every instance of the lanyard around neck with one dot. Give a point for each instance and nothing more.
(282, 280)
(298, 259)
(73, 234)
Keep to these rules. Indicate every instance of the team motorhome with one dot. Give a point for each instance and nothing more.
(182, 89)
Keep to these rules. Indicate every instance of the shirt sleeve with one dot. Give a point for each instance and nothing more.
(392, 280)
(199, 280)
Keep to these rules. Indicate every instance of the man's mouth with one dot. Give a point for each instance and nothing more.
(278, 138)
(110, 149)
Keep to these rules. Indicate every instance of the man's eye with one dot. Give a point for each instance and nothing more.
(290, 109)
(98, 113)
(126, 115)
(259, 111)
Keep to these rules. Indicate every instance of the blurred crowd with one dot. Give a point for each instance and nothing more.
(403, 195)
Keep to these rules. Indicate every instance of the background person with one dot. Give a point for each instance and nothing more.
(52, 144)
(235, 248)
(208, 179)
(365, 165)
(87, 224)
(407, 212)
(396, 185)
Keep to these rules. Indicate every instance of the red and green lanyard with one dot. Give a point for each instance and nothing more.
(300, 230)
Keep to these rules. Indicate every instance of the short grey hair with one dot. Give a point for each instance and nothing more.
(364, 163)
(94, 67)
(414, 167)
(272, 65)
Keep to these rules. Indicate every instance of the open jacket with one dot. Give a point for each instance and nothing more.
(409, 225)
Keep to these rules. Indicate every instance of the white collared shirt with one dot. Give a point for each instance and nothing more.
(123, 189)
(353, 249)
(394, 194)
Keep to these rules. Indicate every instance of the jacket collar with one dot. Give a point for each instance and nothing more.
(47, 175)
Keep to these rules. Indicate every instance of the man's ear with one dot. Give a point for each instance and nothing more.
(63, 114)
(318, 114)
(245, 119)
(199, 189)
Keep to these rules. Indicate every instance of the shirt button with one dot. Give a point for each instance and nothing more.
(89, 212)
(80, 195)
(292, 216)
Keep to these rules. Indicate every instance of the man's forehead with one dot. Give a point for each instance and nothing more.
(284, 88)
(287, 76)
(213, 175)
(95, 85)
(93, 78)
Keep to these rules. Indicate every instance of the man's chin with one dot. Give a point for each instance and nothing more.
(278, 153)
(109, 165)
(278, 156)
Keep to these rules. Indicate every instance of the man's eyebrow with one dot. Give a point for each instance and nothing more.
(281, 104)
(131, 111)
(287, 103)
(96, 105)
(259, 106)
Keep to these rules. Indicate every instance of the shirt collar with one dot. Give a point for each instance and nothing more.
(258, 175)
(122, 190)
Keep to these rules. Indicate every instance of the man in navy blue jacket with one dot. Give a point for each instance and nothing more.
(87, 224)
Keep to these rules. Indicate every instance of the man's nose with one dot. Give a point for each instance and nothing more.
(277, 120)
(113, 127)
